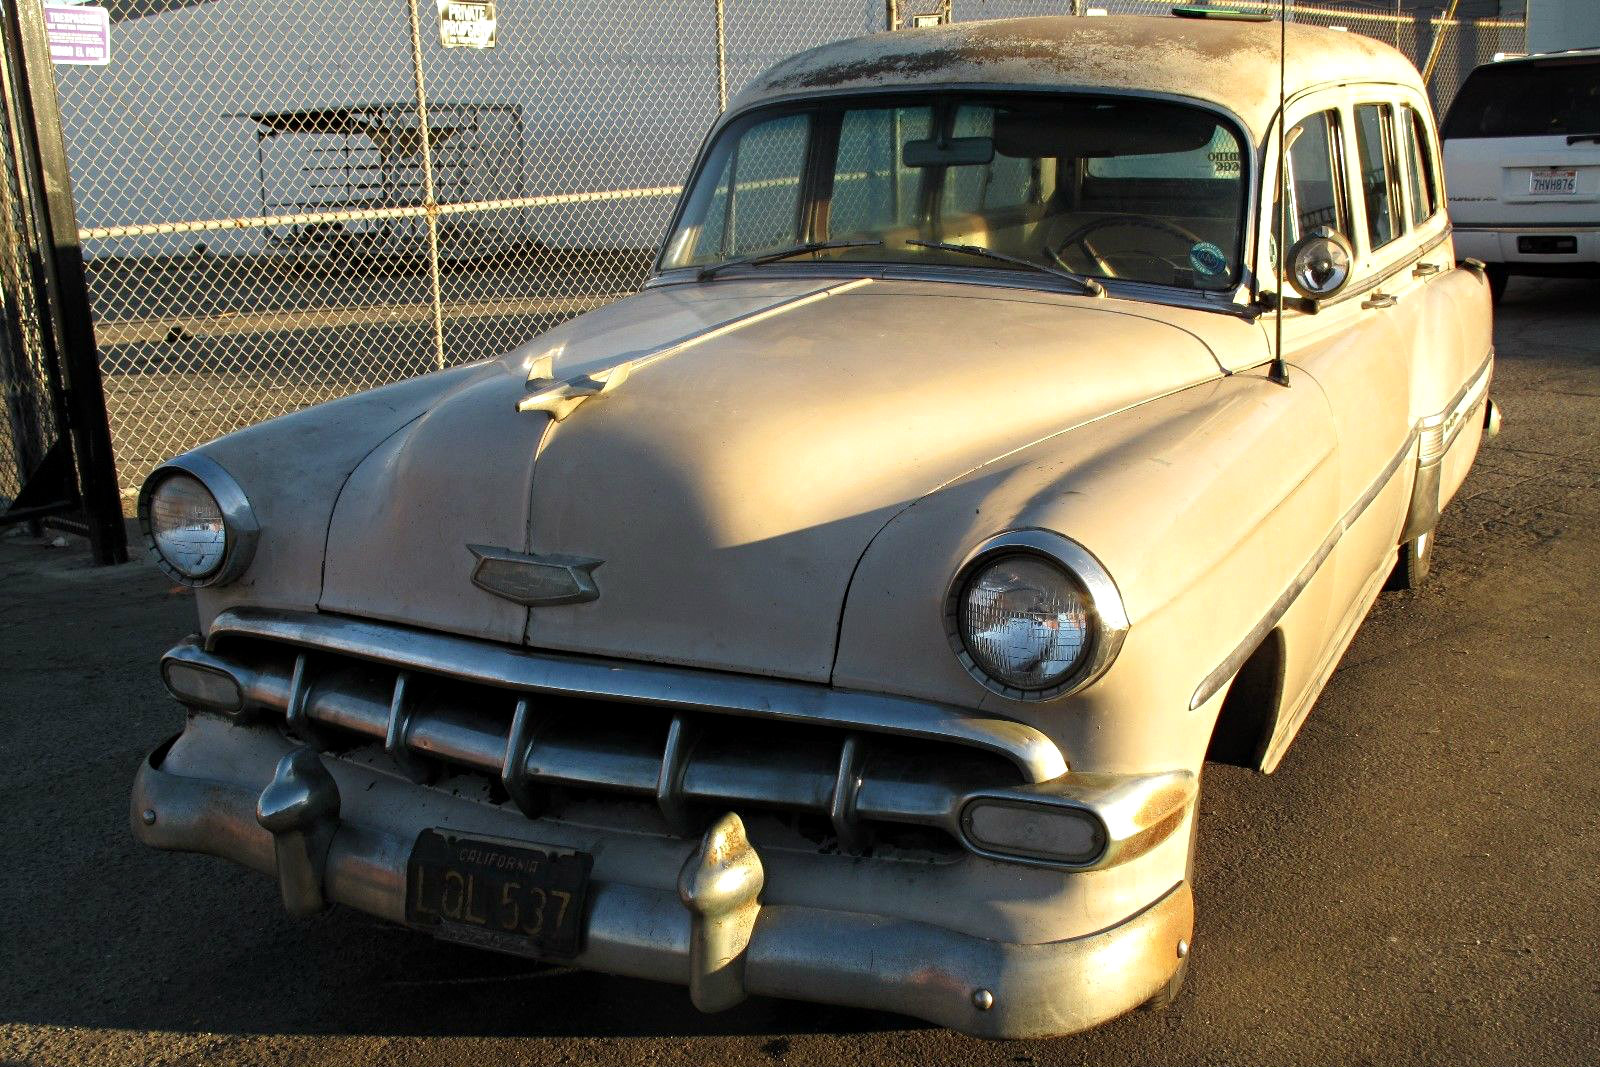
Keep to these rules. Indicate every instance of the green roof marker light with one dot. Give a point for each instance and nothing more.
(1225, 14)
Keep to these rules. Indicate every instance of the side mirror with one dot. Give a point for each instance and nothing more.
(1319, 264)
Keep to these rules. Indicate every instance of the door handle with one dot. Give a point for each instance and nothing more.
(1425, 270)
(1379, 300)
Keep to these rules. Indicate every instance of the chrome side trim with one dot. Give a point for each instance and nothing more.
(1433, 436)
(1439, 431)
(1110, 616)
(239, 519)
(673, 688)
(1436, 434)
(1224, 672)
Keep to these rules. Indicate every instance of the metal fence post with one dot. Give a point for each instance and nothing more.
(430, 203)
(1441, 25)
(722, 57)
(70, 319)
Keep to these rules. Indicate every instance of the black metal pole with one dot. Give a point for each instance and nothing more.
(69, 309)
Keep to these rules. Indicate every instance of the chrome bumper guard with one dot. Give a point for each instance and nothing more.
(690, 743)
(713, 935)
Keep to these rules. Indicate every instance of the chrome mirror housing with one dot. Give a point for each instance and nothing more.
(1320, 263)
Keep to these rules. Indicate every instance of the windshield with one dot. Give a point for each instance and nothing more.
(1543, 97)
(1106, 187)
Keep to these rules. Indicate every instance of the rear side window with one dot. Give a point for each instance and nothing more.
(1530, 99)
(1379, 180)
(1417, 150)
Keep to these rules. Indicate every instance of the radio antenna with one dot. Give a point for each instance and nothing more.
(1279, 371)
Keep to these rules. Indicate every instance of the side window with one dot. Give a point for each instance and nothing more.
(1316, 177)
(1417, 147)
(1380, 179)
(755, 204)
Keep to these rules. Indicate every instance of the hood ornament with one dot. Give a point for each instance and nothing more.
(534, 580)
(560, 398)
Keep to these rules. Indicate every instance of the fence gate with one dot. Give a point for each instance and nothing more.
(55, 445)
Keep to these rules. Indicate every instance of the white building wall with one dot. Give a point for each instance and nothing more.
(612, 94)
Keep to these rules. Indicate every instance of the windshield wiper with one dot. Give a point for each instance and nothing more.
(1574, 138)
(756, 259)
(1089, 286)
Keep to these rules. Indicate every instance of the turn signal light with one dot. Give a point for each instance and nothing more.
(1059, 834)
(202, 687)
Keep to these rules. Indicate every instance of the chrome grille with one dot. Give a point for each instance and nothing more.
(873, 766)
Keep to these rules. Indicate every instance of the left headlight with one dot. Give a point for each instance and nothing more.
(197, 521)
(1033, 615)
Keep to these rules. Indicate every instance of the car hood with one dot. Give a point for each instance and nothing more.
(729, 484)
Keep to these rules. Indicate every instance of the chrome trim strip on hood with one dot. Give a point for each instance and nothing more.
(675, 688)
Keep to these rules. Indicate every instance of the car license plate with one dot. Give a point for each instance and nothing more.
(1552, 181)
(497, 895)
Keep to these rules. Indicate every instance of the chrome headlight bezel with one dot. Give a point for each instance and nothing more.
(240, 528)
(1108, 619)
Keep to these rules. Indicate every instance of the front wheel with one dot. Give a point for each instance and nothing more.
(1415, 559)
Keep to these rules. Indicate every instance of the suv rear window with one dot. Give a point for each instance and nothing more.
(1528, 99)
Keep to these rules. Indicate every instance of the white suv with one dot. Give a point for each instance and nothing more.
(1522, 163)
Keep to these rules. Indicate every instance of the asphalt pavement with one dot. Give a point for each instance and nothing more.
(1416, 884)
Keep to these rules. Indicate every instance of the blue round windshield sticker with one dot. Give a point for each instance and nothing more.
(1207, 259)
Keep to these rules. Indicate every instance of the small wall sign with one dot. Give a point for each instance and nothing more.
(467, 23)
(79, 34)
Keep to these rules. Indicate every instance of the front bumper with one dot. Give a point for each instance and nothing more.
(722, 950)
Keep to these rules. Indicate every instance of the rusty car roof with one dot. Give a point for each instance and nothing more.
(1231, 64)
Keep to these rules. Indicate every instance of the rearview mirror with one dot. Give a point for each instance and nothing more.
(950, 152)
(1319, 263)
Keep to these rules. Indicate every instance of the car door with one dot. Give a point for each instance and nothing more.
(1360, 347)
(1353, 352)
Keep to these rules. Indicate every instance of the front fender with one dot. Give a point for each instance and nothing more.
(292, 469)
(1203, 505)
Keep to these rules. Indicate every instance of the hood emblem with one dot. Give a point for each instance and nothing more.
(532, 579)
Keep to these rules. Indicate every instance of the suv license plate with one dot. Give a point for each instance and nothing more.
(497, 895)
(1552, 181)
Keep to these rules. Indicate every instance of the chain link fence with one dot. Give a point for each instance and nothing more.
(284, 201)
(31, 422)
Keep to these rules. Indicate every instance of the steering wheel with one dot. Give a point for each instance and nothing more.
(1081, 235)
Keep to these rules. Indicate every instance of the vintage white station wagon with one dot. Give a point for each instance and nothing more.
(849, 614)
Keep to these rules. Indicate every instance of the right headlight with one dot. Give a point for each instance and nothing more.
(197, 521)
(1033, 616)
